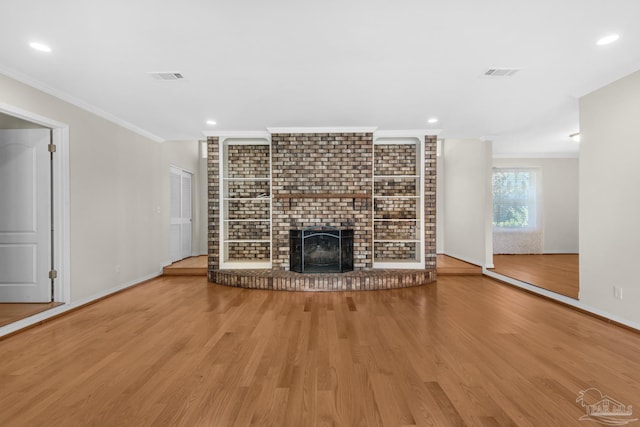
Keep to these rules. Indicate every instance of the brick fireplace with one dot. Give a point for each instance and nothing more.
(262, 185)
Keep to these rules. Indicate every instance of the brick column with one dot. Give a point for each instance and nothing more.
(430, 201)
(213, 204)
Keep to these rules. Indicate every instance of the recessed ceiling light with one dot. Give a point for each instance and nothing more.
(432, 120)
(608, 39)
(41, 47)
(575, 136)
(211, 122)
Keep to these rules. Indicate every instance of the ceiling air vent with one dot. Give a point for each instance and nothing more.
(500, 72)
(167, 76)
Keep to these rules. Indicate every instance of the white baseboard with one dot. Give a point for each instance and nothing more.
(561, 298)
(39, 317)
(465, 259)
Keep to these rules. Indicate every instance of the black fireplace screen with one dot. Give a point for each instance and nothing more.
(320, 250)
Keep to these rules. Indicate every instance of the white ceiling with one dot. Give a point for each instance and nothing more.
(392, 64)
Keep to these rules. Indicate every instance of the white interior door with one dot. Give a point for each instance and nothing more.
(25, 215)
(180, 226)
(185, 232)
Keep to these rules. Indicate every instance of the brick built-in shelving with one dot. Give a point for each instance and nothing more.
(246, 203)
(397, 206)
(383, 189)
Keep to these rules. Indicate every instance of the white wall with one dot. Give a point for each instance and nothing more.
(118, 180)
(467, 200)
(610, 197)
(559, 178)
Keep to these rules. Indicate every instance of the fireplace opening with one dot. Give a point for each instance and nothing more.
(320, 250)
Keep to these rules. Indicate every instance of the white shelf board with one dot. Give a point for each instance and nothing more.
(244, 199)
(244, 265)
(246, 241)
(398, 220)
(396, 197)
(247, 179)
(399, 264)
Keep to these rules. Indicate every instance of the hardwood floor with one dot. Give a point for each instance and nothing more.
(12, 312)
(449, 266)
(192, 266)
(555, 272)
(178, 351)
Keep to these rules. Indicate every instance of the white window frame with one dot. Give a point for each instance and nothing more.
(535, 222)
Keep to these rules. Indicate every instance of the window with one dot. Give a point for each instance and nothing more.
(515, 198)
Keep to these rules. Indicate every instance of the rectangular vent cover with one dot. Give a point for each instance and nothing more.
(167, 75)
(500, 72)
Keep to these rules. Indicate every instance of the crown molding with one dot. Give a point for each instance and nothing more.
(356, 129)
(36, 84)
(407, 133)
(237, 134)
(543, 155)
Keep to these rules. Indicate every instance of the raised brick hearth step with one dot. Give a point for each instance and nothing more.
(351, 281)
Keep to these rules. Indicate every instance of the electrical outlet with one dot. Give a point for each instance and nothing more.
(117, 268)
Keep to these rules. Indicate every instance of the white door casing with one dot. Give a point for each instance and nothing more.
(185, 232)
(25, 215)
(180, 214)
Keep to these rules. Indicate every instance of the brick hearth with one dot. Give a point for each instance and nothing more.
(364, 280)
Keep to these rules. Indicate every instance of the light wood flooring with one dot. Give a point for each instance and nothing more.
(449, 266)
(466, 350)
(12, 312)
(556, 272)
